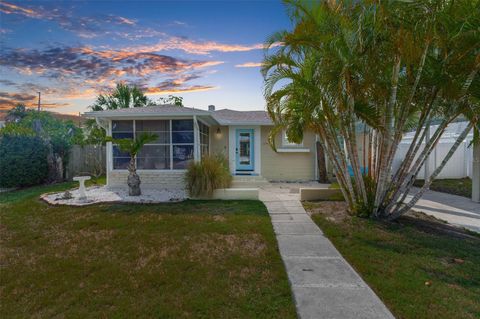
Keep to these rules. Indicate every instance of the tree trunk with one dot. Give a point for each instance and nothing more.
(133, 180)
(322, 167)
(387, 141)
(435, 173)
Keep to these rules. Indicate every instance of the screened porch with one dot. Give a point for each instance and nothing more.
(179, 142)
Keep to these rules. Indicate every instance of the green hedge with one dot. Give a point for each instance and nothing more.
(23, 161)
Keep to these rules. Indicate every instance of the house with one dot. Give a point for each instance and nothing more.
(185, 134)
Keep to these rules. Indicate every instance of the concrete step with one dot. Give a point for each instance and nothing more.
(248, 181)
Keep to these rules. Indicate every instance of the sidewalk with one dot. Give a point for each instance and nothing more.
(323, 283)
(456, 210)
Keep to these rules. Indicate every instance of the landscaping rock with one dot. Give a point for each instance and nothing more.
(103, 194)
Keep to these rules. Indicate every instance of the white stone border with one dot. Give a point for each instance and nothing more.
(104, 194)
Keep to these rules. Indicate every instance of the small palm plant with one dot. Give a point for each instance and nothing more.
(132, 147)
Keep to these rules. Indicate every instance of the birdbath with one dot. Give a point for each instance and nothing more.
(81, 180)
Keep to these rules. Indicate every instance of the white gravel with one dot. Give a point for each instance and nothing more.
(103, 194)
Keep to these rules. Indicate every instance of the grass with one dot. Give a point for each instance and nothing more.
(418, 274)
(195, 259)
(460, 186)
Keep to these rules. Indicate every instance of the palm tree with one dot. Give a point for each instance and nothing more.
(171, 100)
(123, 96)
(132, 147)
(381, 64)
(16, 114)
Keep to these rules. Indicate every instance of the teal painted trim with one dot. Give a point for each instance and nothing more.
(244, 167)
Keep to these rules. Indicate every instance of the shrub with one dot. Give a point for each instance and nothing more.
(23, 161)
(210, 173)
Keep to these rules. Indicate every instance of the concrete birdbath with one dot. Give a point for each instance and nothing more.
(81, 180)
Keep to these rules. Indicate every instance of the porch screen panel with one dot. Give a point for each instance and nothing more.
(182, 143)
(155, 155)
(204, 139)
(121, 130)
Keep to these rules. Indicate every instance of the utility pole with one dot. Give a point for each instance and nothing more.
(38, 102)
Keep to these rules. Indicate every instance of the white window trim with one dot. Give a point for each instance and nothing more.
(287, 143)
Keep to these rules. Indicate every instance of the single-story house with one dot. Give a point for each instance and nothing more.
(185, 134)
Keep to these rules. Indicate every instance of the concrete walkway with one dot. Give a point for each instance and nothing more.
(324, 284)
(456, 210)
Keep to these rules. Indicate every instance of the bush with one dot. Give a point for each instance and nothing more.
(23, 161)
(210, 173)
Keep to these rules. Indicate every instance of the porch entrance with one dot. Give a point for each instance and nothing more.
(244, 152)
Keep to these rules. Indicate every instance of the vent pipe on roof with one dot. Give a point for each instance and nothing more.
(211, 108)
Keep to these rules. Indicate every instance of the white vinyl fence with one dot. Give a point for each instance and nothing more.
(460, 164)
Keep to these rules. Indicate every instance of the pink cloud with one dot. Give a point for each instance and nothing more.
(195, 47)
(249, 65)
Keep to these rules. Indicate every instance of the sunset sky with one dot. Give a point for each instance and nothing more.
(206, 52)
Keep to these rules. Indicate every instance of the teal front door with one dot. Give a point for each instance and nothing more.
(244, 150)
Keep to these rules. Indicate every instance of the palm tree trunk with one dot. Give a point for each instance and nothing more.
(384, 170)
(133, 180)
(435, 173)
(321, 164)
(341, 171)
(406, 184)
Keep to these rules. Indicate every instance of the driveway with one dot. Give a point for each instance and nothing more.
(456, 210)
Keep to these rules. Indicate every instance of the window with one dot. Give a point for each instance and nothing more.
(286, 142)
(182, 143)
(155, 155)
(173, 149)
(204, 139)
(121, 129)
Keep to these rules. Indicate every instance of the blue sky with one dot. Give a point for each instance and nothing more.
(206, 52)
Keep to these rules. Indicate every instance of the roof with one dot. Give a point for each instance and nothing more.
(231, 117)
(220, 117)
(159, 110)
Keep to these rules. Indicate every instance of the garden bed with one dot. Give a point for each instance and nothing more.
(103, 194)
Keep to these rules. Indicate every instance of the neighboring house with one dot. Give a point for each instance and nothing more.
(185, 134)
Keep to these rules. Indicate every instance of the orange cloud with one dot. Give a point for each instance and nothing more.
(249, 65)
(10, 8)
(193, 88)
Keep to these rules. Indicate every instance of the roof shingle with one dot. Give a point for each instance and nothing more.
(231, 117)
(223, 117)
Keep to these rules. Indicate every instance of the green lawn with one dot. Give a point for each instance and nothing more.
(196, 259)
(460, 186)
(398, 259)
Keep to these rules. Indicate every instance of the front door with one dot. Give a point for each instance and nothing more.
(244, 150)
